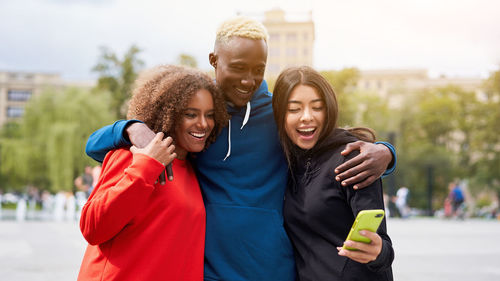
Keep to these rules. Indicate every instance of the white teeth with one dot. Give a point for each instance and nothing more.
(306, 130)
(198, 135)
(242, 91)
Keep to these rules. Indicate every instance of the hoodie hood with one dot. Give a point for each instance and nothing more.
(260, 99)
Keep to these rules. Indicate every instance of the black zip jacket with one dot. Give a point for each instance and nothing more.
(319, 213)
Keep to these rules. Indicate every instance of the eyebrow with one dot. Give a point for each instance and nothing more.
(294, 101)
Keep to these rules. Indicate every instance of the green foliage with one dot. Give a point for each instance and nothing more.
(187, 60)
(46, 149)
(343, 82)
(117, 76)
(447, 130)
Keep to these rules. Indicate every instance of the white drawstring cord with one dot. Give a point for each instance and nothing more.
(245, 121)
(247, 115)
(229, 142)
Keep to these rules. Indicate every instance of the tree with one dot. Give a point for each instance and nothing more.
(117, 76)
(343, 82)
(187, 60)
(46, 149)
(487, 138)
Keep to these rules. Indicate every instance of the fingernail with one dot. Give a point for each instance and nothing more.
(355, 187)
(336, 171)
(170, 178)
(362, 232)
(344, 183)
(337, 178)
(348, 243)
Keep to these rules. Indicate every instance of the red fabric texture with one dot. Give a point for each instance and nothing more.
(140, 230)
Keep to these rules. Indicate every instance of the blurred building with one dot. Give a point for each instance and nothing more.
(394, 83)
(17, 88)
(290, 42)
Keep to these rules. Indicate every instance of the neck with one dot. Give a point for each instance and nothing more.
(181, 153)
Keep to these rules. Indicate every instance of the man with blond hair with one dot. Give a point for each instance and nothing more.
(243, 174)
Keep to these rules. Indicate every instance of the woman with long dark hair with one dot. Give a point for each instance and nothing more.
(318, 211)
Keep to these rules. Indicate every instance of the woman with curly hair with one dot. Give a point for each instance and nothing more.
(318, 211)
(141, 229)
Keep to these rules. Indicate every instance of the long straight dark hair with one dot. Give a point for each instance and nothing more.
(305, 75)
(286, 82)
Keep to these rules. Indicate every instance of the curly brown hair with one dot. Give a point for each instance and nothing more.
(161, 95)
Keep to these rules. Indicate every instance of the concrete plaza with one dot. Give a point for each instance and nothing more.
(426, 250)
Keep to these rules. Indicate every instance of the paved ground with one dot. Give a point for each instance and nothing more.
(426, 249)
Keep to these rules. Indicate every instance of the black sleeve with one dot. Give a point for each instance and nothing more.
(371, 197)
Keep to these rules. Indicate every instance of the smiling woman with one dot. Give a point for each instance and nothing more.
(196, 124)
(139, 228)
(305, 117)
(318, 212)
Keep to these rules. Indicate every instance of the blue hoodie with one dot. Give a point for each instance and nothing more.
(245, 238)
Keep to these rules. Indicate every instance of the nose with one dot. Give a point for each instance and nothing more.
(202, 123)
(248, 81)
(306, 115)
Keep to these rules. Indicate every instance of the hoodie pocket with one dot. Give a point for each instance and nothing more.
(247, 243)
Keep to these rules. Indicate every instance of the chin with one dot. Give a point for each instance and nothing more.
(197, 149)
(306, 146)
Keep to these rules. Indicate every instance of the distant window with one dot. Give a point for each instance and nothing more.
(274, 37)
(291, 52)
(367, 85)
(305, 51)
(306, 36)
(291, 37)
(18, 95)
(15, 111)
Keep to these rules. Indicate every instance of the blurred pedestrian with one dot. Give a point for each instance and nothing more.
(88, 180)
(457, 200)
(402, 197)
(47, 205)
(21, 209)
(96, 172)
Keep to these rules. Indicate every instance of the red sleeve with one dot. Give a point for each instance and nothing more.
(124, 186)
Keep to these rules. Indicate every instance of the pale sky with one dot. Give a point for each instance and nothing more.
(455, 38)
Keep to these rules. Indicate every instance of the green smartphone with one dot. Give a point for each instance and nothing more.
(365, 220)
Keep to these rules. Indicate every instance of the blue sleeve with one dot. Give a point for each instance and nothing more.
(108, 138)
(394, 158)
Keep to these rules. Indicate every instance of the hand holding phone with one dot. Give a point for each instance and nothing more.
(365, 220)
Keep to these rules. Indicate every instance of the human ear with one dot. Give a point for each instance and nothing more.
(212, 58)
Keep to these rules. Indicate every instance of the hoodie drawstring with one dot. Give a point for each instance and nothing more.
(245, 121)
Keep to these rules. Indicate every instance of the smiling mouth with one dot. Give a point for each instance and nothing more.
(306, 132)
(244, 92)
(198, 135)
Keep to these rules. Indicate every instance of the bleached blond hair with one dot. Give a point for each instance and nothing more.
(244, 27)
